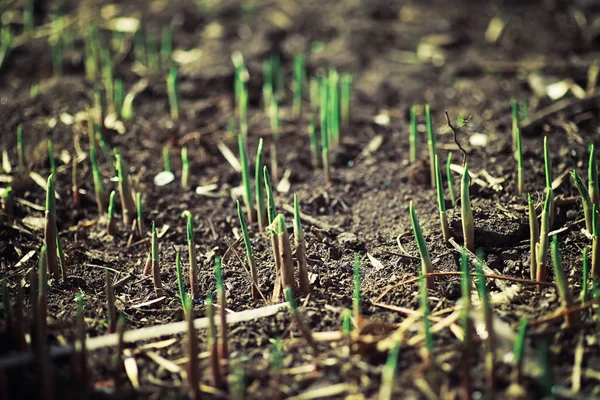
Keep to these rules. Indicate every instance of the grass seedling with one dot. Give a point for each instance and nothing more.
(20, 147)
(466, 212)
(299, 62)
(152, 55)
(593, 177)
(274, 118)
(541, 250)
(193, 372)
(412, 138)
(271, 214)
(519, 350)
(125, 191)
(126, 109)
(182, 296)
(155, 262)
(249, 255)
(278, 82)
(431, 144)
(101, 199)
(185, 168)
(465, 317)
(534, 237)
(243, 110)
(585, 199)
(213, 357)
(139, 213)
(111, 224)
(111, 311)
(325, 139)
(304, 329)
(6, 37)
(451, 189)
(490, 338)
(584, 276)
(166, 159)
(561, 280)
(173, 93)
(356, 296)
(194, 286)
(267, 89)
(516, 128)
(248, 199)
(8, 201)
(548, 174)
(333, 109)
(519, 153)
(388, 373)
(118, 101)
(347, 328)
(345, 98)
(259, 187)
(314, 143)
(50, 230)
(300, 244)
(223, 337)
(34, 90)
(441, 201)
(51, 156)
(426, 265)
(314, 86)
(595, 243)
(285, 253)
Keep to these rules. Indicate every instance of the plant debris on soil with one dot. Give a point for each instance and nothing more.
(164, 85)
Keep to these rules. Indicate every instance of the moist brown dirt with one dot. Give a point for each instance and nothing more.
(366, 205)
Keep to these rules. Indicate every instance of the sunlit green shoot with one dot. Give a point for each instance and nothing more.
(34, 90)
(490, 339)
(325, 135)
(173, 93)
(466, 212)
(441, 201)
(20, 147)
(248, 198)
(518, 153)
(259, 187)
(561, 280)
(139, 46)
(6, 37)
(430, 144)
(345, 98)
(152, 55)
(347, 324)
(139, 214)
(50, 230)
(585, 199)
(388, 374)
(426, 265)
(451, 189)
(333, 109)
(51, 156)
(180, 284)
(127, 202)
(584, 276)
(519, 349)
(356, 296)
(300, 250)
(534, 237)
(412, 138)
(8, 200)
(595, 243)
(194, 288)
(465, 283)
(271, 208)
(593, 177)
(298, 83)
(424, 305)
(276, 355)
(155, 262)
(127, 107)
(166, 159)
(118, 101)
(243, 109)
(249, 254)
(185, 168)
(111, 227)
(541, 250)
(314, 143)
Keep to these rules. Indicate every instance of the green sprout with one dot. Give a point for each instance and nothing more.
(593, 177)
(584, 277)
(451, 189)
(194, 288)
(595, 243)
(118, 100)
(166, 159)
(173, 93)
(111, 228)
(271, 215)
(222, 341)
(241, 92)
(466, 212)
(248, 199)
(51, 238)
(139, 213)
(430, 144)
(285, 252)
(561, 280)
(304, 329)
(299, 63)
(313, 91)
(243, 111)
(541, 250)
(8, 201)
(51, 156)
(185, 168)
(490, 340)
(126, 110)
(548, 174)
(441, 201)
(356, 296)
(139, 46)
(347, 324)
(125, 191)
(314, 143)
(516, 130)
(345, 98)
(333, 109)
(300, 244)
(523, 110)
(325, 135)
(519, 349)
(274, 118)
(534, 237)
(6, 37)
(423, 304)
(213, 358)
(34, 90)
(193, 373)
(259, 187)
(267, 89)
(426, 265)
(249, 255)
(388, 373)
(585, 199)
(412, 138)
(20, 147)
(271, 208)
(166, 44)
(108, 77)
(182, 295)
(111, 311)
(278, 81)
(155, 262)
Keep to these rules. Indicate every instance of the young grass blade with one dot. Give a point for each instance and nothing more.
(185, 168)
(561, 280)
(585, 199)
(111, 311)
(166, 159)
(345, 98)
(273, 156)
(173, 93)
(155, 263)
(101, 199)
(466, 212)
(127, 202)
(50, 231)
(118, 101)
(259, 187)
(194, 285)
(584, 277)
(8, 201)
(271, 214)
(451, 189)
(117, 360)
(267, 89)
(423, 303)
(430, 144)
(20, 147)
(249, 255)
(304, 329)
(248, 199)
(356, 296)
(271, 208)
(333, 110)
(166, 45)
(299, 62)
(593, 178)
(300, 244)
(347, 327)
(6, 37)
(595, 243)
(285, 253)
(515, 127)
(441, 201)
(412, 138)
(139, 212)
(490, 340)
(274, 118)
(223, 338)
(178, 270)
(426, 265)
(534, 237)
(519, 154)
(314, 143)
(389, 373)
(213, 358)
(111, 228)
(541, 250)
(313, 89)
(519, 350)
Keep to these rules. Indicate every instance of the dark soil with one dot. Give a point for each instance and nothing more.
(365, 207)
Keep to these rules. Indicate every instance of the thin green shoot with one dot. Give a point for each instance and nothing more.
(584, 276)
(519, 152)
(276, 355)
(139, 213)
(548, 174)
(223, 347)
(34, 89)
(519, 349)
(118, 100)
(278, 81)
(213, 358)
(441, 201)
(423, 304)
(248, 198)
(595, 243)
(325, 134)
(346, 324)
(194, 288)
(430, 144)
(313, 91)
(152, 56)
(516, 127)
(173, 93)
(6, 37)
(50, 230)
(111, 228)
(388, 373)
(249, 254)
(523, 110)
(127, 201)
(271, 207)
(534, 237)
(185, 168)
(259, 187)
(314, 142)
(426, 265)
(593, 177)
(285, 252)
(490, 340)
(465, 283)
(193, 373)
(466, 212)
(585, 199)
(243, 110)
(561, 280)
(333, 109)
(300, 250)
(298, 83)
(8, 201)
(451, 189)
(412, 138)
(166, 159)
(356, 296)
(345, 98)
(20, 147)
(267, 89)
(274, 118)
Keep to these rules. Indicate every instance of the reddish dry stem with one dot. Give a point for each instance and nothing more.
(277, 283)
(302, 265)
(285, 261)
(223, 339)
(193, 373)
(50, 242)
